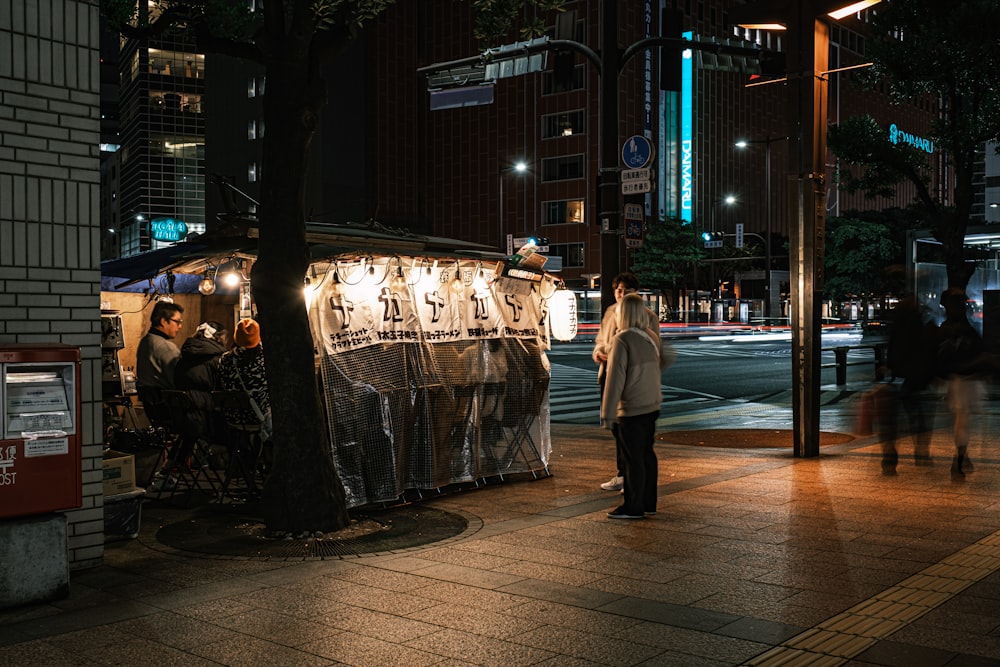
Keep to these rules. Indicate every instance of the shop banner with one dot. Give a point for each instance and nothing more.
(392, 300)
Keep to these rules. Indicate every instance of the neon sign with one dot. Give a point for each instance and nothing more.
(897, 135)
(167, 229)
(687, 132)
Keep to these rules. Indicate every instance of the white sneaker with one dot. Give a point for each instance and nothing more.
(614, 484)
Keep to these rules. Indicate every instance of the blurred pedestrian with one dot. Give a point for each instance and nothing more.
(623, 284)
(912, 348)
(960, 361)
(631, 404)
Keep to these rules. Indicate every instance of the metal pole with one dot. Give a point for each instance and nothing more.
(767, 246)
(808, 40)
(608, 196)
(500, 207)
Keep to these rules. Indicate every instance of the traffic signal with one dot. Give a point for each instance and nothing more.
(671, 21)
(540, 241)
(773, 65)
(713, 239)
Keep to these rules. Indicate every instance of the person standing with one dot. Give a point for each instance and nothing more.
(623, 284)
(156, 356)
(631, 404)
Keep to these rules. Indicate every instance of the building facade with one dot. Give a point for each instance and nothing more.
(49, 223)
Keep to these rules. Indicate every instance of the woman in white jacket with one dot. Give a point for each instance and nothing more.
(632, 400)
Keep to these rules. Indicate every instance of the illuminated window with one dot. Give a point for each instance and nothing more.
(563, 124)
(563, 212)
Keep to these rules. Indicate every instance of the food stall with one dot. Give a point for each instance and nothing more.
(430, 354)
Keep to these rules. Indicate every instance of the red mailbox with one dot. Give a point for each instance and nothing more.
(40, 462)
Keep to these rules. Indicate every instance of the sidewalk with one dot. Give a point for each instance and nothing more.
(754, 557)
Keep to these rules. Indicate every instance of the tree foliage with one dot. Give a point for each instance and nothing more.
(860, 259)
(293, 40)
(668, 254)
(949, 52)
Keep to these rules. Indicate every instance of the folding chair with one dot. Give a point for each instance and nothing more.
(187, 459)
(244, 444)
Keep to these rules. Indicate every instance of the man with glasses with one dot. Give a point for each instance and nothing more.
(156, 355)
(624, 283)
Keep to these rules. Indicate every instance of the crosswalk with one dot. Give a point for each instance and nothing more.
(575, 398)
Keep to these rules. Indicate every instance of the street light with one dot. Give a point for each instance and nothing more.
(519, 167)
(743, 143)
(807, 39)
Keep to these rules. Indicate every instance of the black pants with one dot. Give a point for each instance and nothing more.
(636, 437)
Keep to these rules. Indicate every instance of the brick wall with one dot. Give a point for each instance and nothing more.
(49, 222)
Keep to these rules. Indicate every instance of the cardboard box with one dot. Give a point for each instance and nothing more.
(119, 473)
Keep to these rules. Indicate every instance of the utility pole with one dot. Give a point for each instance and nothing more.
(608, 196)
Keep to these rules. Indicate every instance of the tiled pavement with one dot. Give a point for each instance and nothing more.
(755, 557)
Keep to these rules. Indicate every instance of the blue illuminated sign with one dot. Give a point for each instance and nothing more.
(897, 135)
(687, 132)
(167, 229)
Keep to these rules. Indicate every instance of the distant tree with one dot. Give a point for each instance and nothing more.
(293, 40)
(860, 260)
(948, 51)
(667, 257)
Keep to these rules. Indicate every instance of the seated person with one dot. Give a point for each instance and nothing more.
(197, 372)
(242, 369)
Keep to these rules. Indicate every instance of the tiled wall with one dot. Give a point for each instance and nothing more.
(49, 222)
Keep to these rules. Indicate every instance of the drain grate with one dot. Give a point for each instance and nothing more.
(381, 531)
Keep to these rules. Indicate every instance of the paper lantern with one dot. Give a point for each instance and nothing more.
(562, 315)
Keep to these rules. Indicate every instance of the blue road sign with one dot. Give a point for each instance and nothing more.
(637, 151)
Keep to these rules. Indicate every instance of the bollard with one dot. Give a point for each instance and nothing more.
(840, 354)
(880, 351)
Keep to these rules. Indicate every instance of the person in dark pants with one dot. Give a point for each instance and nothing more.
(623, 284)
(631, 404)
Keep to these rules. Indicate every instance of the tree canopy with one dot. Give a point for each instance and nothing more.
(293, 40)
(947, 52)
(860, 256)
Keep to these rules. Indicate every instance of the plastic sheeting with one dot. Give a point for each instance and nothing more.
(422, 416)
(419, 393)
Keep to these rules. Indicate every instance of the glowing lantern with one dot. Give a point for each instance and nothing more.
(562, 315)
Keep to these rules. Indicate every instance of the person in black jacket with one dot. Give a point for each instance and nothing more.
(197, 373)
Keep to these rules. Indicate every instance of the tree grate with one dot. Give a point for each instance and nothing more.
(375, 532)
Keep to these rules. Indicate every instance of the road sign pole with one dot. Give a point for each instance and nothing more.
(608, 199)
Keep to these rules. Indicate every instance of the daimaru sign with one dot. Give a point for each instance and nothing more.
(897, 135)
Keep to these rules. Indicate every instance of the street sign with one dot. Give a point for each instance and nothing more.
(637, 151)
(636, 187)
(739, 234)
(633, 212)
(713, 244)
(637, 174)
(633, 233)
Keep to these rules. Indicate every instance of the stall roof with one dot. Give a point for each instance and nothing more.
(326, 241)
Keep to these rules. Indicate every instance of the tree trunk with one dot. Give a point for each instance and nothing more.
(303, 491)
